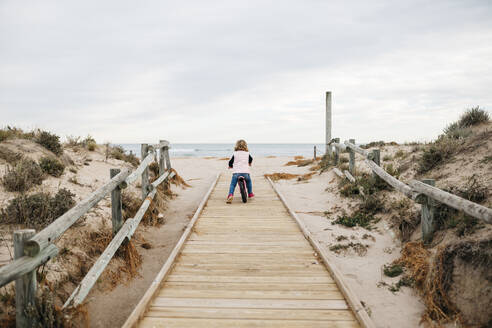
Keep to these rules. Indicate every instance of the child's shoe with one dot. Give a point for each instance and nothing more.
(251, 195)
(229, 198)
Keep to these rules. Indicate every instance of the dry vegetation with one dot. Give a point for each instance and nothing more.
(32, 197)
(462, 246)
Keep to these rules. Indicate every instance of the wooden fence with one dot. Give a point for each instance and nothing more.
(423, 192)
(32, 250)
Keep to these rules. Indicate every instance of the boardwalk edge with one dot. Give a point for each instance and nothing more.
(139, 310)
(352, 299)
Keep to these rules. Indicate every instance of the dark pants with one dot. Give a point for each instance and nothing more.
(234, 179)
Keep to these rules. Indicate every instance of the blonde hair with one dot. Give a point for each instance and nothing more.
(241, 145)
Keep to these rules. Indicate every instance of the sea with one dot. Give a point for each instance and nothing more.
(225, 150)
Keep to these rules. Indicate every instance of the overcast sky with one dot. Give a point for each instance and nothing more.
(214, 71)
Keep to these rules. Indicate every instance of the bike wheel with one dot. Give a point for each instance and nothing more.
(242, 188)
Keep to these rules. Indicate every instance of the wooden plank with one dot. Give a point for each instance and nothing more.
(357, 149)
(227, 323)
(217, 286)
(25, 285)
(250, 303)
(268, 314)
(139, 310)
(251, 279)
(250, 293)
(116, 214)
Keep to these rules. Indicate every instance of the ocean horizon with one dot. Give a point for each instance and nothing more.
(226, 149)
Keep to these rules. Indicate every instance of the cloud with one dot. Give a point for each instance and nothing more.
(211, 71)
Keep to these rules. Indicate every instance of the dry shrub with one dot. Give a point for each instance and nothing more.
(415, 258)
(13, 132)
(271, 156)
(298, 157)
(154, 169)
(224, 159)
(132, 258)
(118, 152)
(9, 156)
(406, 218)
(178, 180)
(436, 153)
(281, 176)
(305, 177)
(51, 165)
(24, 175)
(37, 210)
(49, 141)
(299, 162)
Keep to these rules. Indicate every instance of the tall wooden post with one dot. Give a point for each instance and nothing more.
(352, 158)
(427, 214)
(376, 158)
(328, 123)
(145, 173)
(314, 155)
(25, 286)
(337, 152)
(116, 216)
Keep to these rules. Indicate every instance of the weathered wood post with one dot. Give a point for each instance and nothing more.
(25, 286)
(337, 152)
(352, 158)
(162, 159)
(328, 123)
(168, 159)
(145, 173)
(116, 216)
(314, 155)
(427, 214)
(376, 158)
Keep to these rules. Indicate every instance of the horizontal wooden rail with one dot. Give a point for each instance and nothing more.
(391, 180)
(357, 149)
(349, 176)
(338, 172)
(125, 233)
(46, 236)
(461, 204)
(143, 165)
(25, 264)
(339, 146)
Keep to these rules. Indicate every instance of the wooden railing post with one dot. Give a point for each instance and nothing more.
(162, 159)
(337, 152)
(314, 155)
(352, 158)
(376, 158)
(116, 216)
(168, 159)
(427, 214)
(145, 173)
(328, 123)
(25, 286)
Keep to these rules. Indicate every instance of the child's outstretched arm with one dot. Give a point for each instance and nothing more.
(231, 162)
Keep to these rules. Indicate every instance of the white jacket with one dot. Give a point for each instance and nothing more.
(241, 162)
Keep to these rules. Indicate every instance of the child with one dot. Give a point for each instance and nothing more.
(239, 163)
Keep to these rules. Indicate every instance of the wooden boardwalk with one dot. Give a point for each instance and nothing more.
(246, 265)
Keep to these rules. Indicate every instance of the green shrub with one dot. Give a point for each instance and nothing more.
(358, 218)
(387, 158)
(37, 210)
(434, 154)
(91, 146)
(51, 165)
(392, 270)
(391, 170)
(372, 204)
(118, 152)
(50, 141)
(473, 116)
(25, 174)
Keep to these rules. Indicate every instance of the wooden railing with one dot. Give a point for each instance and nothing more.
(32, 250)
(423, 192)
